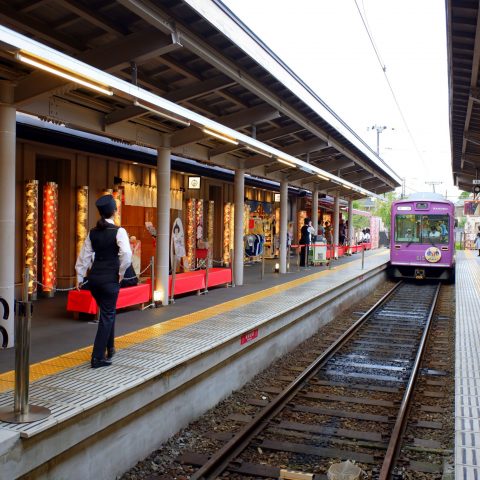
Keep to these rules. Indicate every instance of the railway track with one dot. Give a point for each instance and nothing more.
(351, 402)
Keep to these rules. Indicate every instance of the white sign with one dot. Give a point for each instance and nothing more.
(404, 208)
(194, 183)
(476, 182)
(276, 197)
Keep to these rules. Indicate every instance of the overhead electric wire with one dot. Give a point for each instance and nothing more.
(363, 16)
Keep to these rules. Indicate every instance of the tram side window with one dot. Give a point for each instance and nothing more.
(407, 229)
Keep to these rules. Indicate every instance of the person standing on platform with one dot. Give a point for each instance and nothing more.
(477, 243)
(107, 250)
(305, 240)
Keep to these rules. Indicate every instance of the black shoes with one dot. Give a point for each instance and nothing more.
(110, 353)
(100, 362)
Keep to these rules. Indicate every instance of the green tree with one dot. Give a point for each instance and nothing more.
(383, 208)
(359, 221)
(464, 195)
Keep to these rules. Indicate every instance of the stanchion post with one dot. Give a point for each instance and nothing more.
(207, 263)
(363, 255)
(22, 412)
(232, 268)
(174, 278)
(298, 258)
(152, 278)
(262, 268)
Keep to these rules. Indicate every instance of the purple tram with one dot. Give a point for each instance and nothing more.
(422, 238)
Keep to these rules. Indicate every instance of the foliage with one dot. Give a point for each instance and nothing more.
(383, 208)
(464, 195)
(359, 221)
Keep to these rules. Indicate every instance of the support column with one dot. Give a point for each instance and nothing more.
(315, 210)
(294, 217)
(283, 226)
(350, 225)
(239, 192)
(162, 252)
(7, 212)
(336, 223)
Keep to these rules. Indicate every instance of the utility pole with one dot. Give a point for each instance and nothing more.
(403, 186)
(379, 129)
(433, 184)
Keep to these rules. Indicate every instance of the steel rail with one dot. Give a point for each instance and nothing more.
(219, 462)
(400, 424)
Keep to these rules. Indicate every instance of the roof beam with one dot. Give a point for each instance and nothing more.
(335, 164)
(137, 47)
(243, 118)
(473, 80)
(95, 18)
(296, 149)
(182, 94)
(262, 137)
(159, 18)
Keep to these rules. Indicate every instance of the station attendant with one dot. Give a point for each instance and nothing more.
(107, 251)
(305, 240)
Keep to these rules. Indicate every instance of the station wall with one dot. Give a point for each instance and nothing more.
(71, 169)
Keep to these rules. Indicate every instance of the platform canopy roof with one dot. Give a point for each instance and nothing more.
(463, 31)
(184, 70)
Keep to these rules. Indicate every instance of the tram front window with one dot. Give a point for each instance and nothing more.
(421, 229)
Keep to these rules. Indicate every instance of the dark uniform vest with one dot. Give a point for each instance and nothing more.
(106, 263)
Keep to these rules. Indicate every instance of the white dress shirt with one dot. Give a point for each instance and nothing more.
(87, 255)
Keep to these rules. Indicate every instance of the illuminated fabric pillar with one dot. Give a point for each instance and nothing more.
(31, 233)
(117, 195)
(246, 218)
(210, 227)
(190, 240)
(50, 231)
(81, 229)
(199, 219)
(227, 214)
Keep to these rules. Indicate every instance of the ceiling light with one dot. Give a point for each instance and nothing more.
(347, 187)
(54, 70)
(211, 133)
(162, 114)
(322, 177)
(286, 162)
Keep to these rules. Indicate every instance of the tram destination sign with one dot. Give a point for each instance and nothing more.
(476, 181)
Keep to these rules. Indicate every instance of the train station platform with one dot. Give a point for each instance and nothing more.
(167, 374)
(467, 366)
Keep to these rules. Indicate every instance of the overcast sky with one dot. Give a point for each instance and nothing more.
(326, 44)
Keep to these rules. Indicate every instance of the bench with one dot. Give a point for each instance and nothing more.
(83, 302)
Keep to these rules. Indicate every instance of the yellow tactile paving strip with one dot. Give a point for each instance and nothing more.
(63, 362)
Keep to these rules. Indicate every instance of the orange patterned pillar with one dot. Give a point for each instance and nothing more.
(31, 233)
(50, 231)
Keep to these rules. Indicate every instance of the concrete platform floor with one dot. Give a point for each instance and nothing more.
(55, 332)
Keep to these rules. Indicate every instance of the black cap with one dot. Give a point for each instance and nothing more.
(106, 206)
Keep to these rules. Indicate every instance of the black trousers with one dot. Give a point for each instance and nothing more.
(105, 294)
(304, 255)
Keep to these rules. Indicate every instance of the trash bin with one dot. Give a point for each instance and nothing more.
(344, 471)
